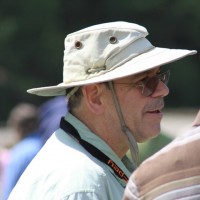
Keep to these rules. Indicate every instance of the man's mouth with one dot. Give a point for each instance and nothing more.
(154, 111)
(155, 108)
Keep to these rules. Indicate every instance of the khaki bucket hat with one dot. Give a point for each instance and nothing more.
(106, 52)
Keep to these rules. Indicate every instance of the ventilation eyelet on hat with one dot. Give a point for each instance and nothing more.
(113, 40)
(78, 44)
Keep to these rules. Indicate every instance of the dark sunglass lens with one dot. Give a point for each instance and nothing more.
(150, 86)
(152, 83)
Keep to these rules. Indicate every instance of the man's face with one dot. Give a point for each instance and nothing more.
(142, 114)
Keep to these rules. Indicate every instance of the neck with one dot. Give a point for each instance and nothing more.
(113, 136)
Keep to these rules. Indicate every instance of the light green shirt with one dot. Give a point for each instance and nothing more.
(63, 170)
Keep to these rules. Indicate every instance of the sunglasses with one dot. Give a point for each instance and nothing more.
(149, 84)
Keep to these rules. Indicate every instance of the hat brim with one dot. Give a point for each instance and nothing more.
(146, 61)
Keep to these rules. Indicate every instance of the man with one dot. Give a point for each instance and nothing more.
(172, 173)
(115, 92)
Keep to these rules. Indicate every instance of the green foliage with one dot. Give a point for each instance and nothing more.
(152, 146)
(32, 41)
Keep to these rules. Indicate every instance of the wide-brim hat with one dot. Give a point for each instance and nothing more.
(106, 52)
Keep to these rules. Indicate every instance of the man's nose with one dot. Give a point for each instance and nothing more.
(161, 90)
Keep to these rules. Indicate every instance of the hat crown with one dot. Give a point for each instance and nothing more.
(120, 25)
(90, 51)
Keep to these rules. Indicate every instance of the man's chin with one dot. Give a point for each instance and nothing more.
(149, 136)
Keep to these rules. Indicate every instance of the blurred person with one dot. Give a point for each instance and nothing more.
(115, 88)
(48, 120)
(172, 173)
(23, 119)
(50, 113)
(4, 156)
(7, 140)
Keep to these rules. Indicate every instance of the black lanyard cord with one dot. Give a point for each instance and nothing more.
(68, 128)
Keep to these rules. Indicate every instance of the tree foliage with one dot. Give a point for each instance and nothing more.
(32, 41)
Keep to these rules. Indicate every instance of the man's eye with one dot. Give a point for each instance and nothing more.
(142, 80)
(160, 72)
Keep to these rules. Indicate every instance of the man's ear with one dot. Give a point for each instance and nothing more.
(93, 97)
